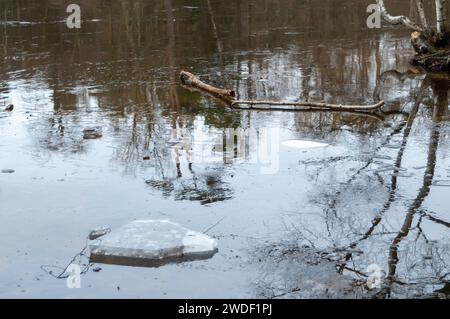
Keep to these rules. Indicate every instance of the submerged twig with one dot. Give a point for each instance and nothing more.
(63, 274)
(211, 227)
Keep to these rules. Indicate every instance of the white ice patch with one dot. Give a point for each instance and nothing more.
(152, 240)
(303, 144)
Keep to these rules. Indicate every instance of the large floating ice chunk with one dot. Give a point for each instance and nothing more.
(151, 243)
(303, 144)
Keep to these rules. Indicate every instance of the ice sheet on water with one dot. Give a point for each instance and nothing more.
(151, 243)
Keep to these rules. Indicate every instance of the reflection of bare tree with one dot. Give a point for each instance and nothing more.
(415, 264)
(205, 187)
(215, 32)
(441, 91)
(415, 206)
(406, 127)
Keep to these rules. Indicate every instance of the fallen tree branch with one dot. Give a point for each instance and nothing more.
(397, 20)
(225, 101)
(318, 105)
(229, 96)
(372, 115)
(378, 116)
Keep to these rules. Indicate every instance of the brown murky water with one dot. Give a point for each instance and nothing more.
(378, 194)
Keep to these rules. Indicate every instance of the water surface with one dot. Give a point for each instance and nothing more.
(377, 194)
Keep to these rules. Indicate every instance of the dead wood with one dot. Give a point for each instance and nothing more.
(313, 105)
(229, 96)
(191, 80)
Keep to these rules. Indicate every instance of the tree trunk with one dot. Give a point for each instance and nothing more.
(423, 18)
(441, 17)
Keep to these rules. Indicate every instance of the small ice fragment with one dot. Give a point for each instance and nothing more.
(151, 243)
(303, 144)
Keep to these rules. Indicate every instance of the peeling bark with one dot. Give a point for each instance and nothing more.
(441, 17)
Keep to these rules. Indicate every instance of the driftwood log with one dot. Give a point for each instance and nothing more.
(190, 81)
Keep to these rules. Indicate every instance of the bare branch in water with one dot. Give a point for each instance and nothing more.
(188, 79)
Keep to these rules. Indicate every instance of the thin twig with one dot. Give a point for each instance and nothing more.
(207, 230)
